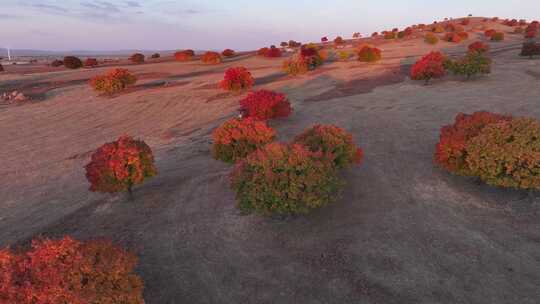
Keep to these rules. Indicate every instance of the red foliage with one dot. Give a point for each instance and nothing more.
(497, 36)
(375, 34)
(211, 58)
(465, 21)
(228, 53)
(90, 62)
(184, 55)
(273, 52)
(72, 62)
(114, 81)
(450, 152)
(489, 33)
(530, 49)
(237, 138)
(512, 22)
(263, 51)
(68, 271)
(452, 37)
(333, 143)
(339, 40)
(237, 79)
(264, 105)
(119, 165)
(478, 47)
(57, 63)
(428, 67)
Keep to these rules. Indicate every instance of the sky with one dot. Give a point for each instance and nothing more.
(63, 25)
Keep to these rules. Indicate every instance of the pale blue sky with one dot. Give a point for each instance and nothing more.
(219, 24)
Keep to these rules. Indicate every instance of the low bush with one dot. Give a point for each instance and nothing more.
(339, 40)
(324, 39)
(185, 55)
(237, 79)
(284, 179)
(294, 44)
(263, 51)
(431, 38)
(264, 105)
(369, 54)
(295, 66)
(211, 58)
(273, 52)
(507, 154)
(428, 67)
(72, 62)
(465, 22)
(284, 44)
(57, 63)
(519, 30)
(450, 152)
(69, 271)
(333, 143)
(463, 35)
(455, 28)
(120, 165)
(356, 35)
(90, 62)
(375, 34)
(237, 138)
(489, 33)
(472, 64)
(452, 37)
(137, 58)
(113, 82)
(478, 47)
(308, 59)
(390, 35)
(530, 49)
(1, 68)
(155, 56)
(438, 29)
(228, 53)
(497, 36)
(343, 55)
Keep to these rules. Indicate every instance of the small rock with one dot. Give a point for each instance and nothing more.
(20, 97)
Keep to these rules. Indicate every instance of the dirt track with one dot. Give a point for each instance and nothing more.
(402, 231)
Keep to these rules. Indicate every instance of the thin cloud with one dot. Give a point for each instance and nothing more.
(133, 4)
(50, 7)
(10, 16)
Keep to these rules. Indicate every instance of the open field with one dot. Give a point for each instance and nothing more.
(402, 231)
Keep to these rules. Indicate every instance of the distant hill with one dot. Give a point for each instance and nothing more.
(81, 53)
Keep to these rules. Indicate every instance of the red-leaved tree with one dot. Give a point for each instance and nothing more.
(120, 165)
(428, 67)
(237, 79)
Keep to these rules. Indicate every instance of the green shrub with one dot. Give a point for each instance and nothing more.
(507, 154)
(284, 179)
(472, 64)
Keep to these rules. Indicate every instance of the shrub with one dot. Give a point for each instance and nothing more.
(498, 36)
(113, 82)
(530, 49)
(369, 54)
(437, 29)
(228, 53)
(263, 51)
(343, 55)
(324, 39)
(284, 44)
(519, 30)
(431, 38)
(137, 58)
(211, 58)
(237, 138)
(155, 56)
(339, 40)
(507, 154)
(273, 52)
(401, 35)
(530, 34)
(466, 21)
(90, 62)
(283, 179)
(450, 152)
(489, 33)
(375, 34)
(294, 44)
(264, 105)
(478, 47)
(120, 165)
(333, 143)
(72, 62)
(428, 67)
(472, 64)
(463, 35)
(389, 35)
(69, 271)
(451, 27)
(452, 37)
(308, 59)
(57, 63)
(237, 79)
(356, 35)
(184, 55)
(1, 68)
